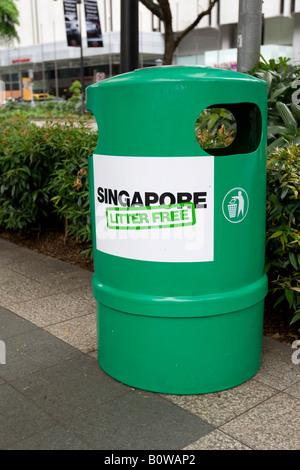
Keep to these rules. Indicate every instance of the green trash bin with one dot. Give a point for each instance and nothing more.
(178, 230)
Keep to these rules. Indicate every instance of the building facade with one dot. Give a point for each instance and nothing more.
(44, 57)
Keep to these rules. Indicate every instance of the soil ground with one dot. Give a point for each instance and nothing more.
(53, 244)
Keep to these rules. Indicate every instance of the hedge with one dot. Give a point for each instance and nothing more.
(39, 168)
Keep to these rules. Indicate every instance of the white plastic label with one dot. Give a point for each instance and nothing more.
(155, 208)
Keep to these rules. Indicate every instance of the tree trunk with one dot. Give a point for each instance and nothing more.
(169, 34)
(169, 48)
(163, 11)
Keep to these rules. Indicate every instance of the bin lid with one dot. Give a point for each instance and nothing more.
(158, 108)
(176, 73)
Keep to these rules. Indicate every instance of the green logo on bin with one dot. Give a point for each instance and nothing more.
(235, 205)
(148, 217)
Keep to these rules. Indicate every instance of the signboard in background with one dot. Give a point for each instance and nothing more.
(99, 76)
(72, 23)
(26, 89)
(92, 21)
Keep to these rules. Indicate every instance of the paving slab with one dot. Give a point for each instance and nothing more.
(278, 369)
(294, 390)
(217, 440)
(54, 438)
(19, 417)
(80, 332)
(220, 407)
(11, 325)
(272, 425)
(70, 388)
(138, 421)
(52, 309)
(33, 351)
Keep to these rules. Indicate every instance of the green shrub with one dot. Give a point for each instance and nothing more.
(283, 182)
(283, 81)
(215, 128)
(25, 162)
(70, 190)
(75, 102)
(283, 223)
(30, 158)
(50, 109)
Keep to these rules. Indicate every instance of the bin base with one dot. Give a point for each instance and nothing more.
(180, 355)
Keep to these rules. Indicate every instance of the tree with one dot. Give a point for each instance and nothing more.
(9, 18)
(162, 10)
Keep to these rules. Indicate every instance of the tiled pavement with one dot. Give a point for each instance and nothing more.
(54, 395)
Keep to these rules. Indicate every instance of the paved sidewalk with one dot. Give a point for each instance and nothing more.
(54, 395)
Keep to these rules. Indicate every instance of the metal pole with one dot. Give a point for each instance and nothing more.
(55, 61)
(20, 75)
(249, 34)
(37, 23)
(9, 70)
(43, 61)
(109, 49)
(81, 57)
(129, 36)
(31, 75)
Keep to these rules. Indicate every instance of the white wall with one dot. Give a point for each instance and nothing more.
(229, 11)
(271, 8)
(296, 38)
(33, 29)
(184, 12)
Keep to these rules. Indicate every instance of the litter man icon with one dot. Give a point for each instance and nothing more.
(235, 205)
(241, 203)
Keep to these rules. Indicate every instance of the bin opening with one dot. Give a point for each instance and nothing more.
(229, 129)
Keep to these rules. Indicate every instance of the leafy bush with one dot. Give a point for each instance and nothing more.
(70, 190)
(50, 110)
(283, 82)
(283, 182)
(25, 163)
(215, 128)
(75, 102)
(283, 223)
(35, 164)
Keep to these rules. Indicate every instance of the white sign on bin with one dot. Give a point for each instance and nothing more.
(155, 208)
